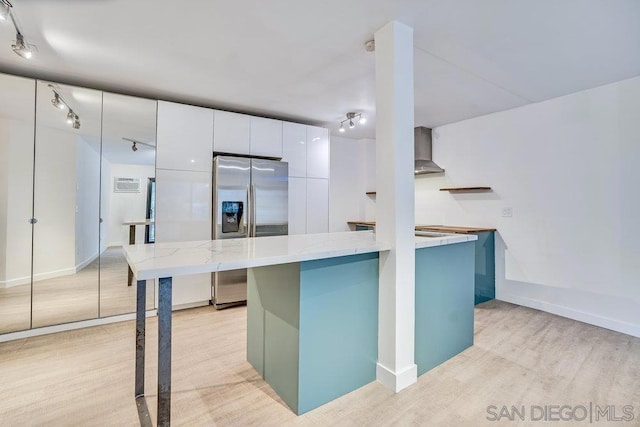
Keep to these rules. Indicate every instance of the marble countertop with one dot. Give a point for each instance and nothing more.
(426, 239)
(143, 222)
(180, 258)
(440, 228)
(205, 256)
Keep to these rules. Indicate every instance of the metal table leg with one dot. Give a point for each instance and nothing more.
(132, 240)
(164, 352)
(141, 299)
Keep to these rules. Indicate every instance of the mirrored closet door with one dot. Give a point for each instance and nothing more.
(66, 201)
(17, 115)
(127, 196)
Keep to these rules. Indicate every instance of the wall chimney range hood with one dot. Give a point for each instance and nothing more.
(423, 152)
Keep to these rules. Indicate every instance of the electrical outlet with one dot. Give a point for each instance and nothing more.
(507, 212)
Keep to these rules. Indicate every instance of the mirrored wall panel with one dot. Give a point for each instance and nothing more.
(16, 181)
(66, 201)
(127, 196)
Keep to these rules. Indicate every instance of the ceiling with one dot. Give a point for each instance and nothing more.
(305, 61)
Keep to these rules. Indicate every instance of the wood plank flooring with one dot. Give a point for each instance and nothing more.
(73, 297)
(520, 357)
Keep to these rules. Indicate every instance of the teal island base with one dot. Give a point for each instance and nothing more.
(312, 327)
(444, 303)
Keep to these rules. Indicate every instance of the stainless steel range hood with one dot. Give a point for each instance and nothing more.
(422, 152)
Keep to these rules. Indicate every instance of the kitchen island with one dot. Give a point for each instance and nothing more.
(485, 271)
(312, 308)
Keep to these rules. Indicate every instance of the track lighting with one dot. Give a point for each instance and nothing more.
(134, 145)
(352, 124)
(57, 102)
(21, 47)
(5, 10)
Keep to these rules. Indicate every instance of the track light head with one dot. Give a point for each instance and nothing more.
(71, 116)
(5, 10)
(57, 102)
(134, 148)
(350, 121)
(21, 48)
(76, 123)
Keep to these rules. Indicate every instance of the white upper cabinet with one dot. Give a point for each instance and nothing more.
(317, 152)
(266, 137)
(232, 133)
(184, 138)
(294, 148)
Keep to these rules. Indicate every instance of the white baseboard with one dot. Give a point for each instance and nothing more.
(15, 282)
(397, 381)
(25, 280)
(70, 326)
(571, 313)
(86, 262)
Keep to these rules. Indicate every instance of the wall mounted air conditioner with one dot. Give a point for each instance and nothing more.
(126, 185)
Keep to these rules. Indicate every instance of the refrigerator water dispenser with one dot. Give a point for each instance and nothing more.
(231, 216)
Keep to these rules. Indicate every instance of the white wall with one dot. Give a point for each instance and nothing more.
(65, 202)
(350, 178)
(16, 149)
(87, 203)
(568, 168)
(125, 207)
(54, 252)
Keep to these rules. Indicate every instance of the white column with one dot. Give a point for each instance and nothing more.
(395, 215)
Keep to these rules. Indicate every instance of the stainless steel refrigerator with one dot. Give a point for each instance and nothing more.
(250, 199)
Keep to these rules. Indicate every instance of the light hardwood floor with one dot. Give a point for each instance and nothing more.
(520, 357)
(73, 297)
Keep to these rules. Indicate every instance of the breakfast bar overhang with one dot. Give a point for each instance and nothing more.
(313, 303)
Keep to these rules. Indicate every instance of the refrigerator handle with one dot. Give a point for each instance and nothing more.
(253, 210)
(247, 216)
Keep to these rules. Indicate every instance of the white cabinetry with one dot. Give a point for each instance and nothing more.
(266, 137)
(306, 149)
(232, 133)
(297, 205)
(184, 138)
(183, 188)
(294, 148)
(317, 152)
(317, 205)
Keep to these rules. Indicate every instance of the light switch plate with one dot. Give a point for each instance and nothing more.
(507, 212)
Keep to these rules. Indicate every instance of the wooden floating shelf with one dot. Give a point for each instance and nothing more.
(462, 189)
(371, 193)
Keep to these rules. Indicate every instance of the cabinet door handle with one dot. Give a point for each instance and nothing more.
(33, 220)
